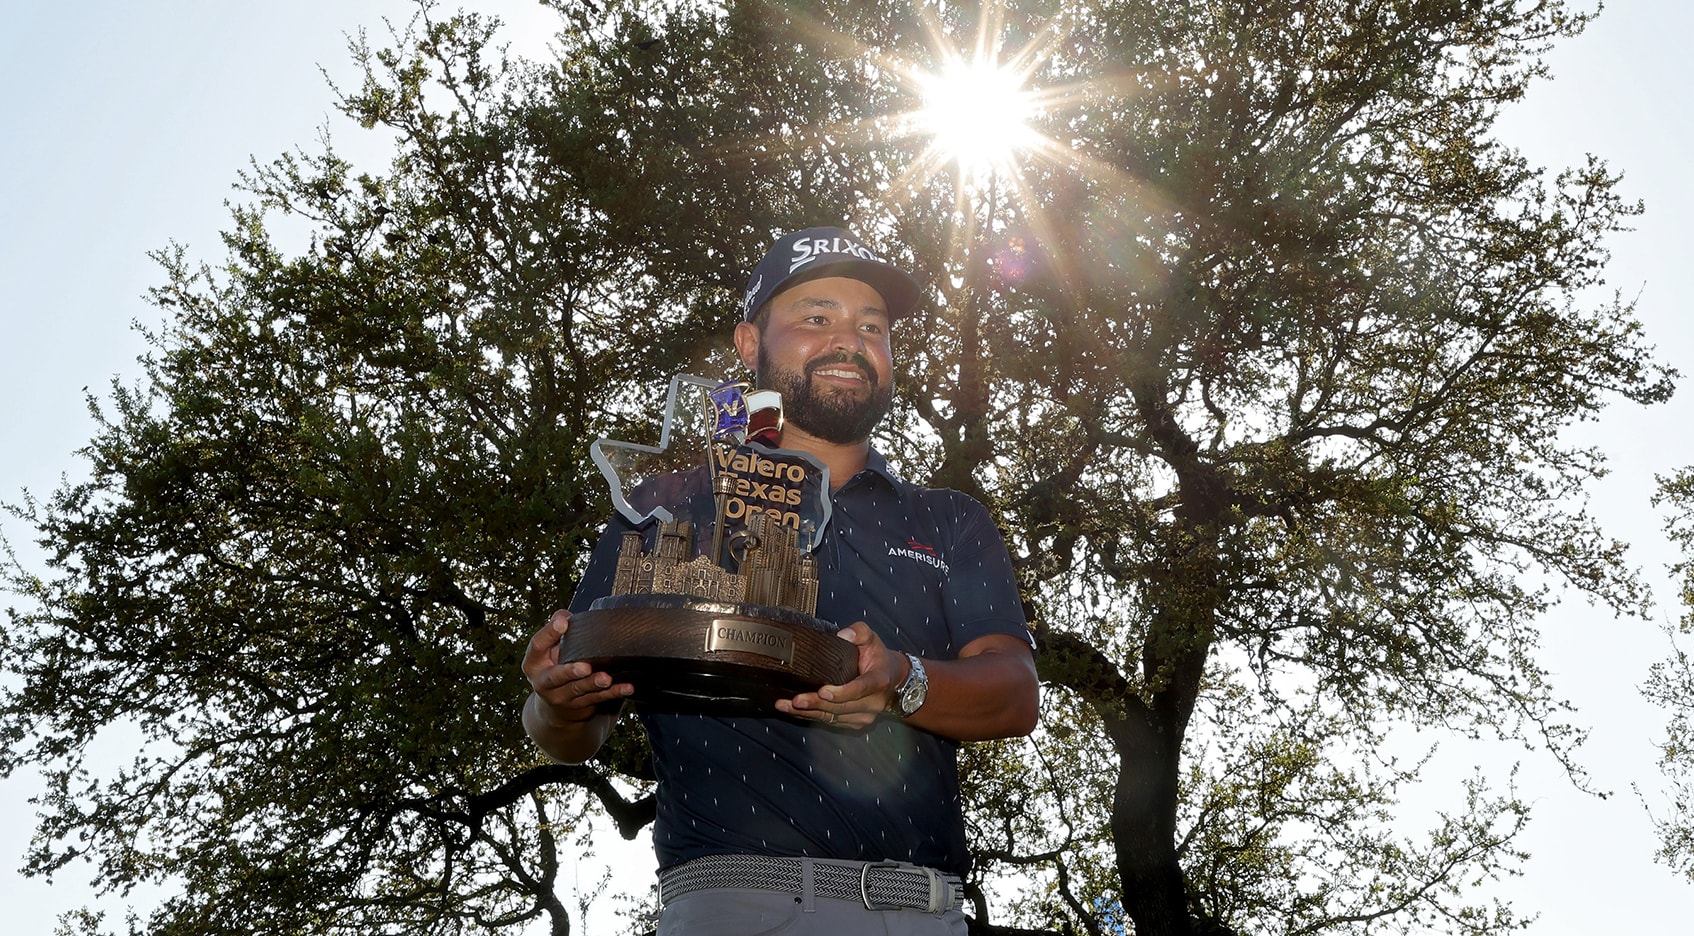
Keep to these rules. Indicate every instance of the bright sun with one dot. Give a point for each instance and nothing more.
(977, 114)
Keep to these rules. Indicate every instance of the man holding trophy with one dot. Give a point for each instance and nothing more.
(838, 810)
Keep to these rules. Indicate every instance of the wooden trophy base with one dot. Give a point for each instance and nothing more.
(710, 657)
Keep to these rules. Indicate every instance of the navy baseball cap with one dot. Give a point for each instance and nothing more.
(828, 251)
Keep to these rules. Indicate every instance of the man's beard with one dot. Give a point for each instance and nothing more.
(832, 417)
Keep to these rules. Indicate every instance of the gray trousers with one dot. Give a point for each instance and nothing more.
(736, 911)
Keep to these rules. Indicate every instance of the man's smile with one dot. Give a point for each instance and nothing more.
(841, 369)
(840, 372)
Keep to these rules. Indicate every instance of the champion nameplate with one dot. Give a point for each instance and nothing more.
(751, 637)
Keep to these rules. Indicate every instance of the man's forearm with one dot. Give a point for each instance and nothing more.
(991, 691)
(567, 741)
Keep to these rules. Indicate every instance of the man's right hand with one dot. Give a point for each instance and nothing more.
(568, 712)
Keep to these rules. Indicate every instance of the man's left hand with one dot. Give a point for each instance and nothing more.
(856, 703)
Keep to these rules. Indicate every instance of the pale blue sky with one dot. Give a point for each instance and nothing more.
(126, 124)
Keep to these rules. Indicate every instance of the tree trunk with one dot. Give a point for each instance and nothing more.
(1143, 825)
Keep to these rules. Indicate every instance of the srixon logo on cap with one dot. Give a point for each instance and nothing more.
(805, 251)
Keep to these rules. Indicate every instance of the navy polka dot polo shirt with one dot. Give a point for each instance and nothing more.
(929, 572)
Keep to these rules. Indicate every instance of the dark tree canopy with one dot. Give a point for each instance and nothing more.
(1262, 365)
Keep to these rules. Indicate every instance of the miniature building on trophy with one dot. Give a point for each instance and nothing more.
(772, 570)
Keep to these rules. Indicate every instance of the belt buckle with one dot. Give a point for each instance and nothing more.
(864, 879)
(939, 896)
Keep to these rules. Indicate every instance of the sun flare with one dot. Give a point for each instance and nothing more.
(985, 101)
(977, 115)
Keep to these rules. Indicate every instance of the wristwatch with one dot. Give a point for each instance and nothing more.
(909, 697)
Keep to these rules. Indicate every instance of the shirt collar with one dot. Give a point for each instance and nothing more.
(876, 463)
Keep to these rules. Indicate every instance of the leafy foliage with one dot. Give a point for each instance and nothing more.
(1264, 379)
(1670, 685)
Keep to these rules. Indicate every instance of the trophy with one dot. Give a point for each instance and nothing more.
(713, 604)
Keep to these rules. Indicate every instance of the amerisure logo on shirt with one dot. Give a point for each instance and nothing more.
(924, 554)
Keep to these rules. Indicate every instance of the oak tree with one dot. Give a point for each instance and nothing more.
(1261, 361)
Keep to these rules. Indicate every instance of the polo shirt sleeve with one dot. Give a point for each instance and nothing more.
(981, 590)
